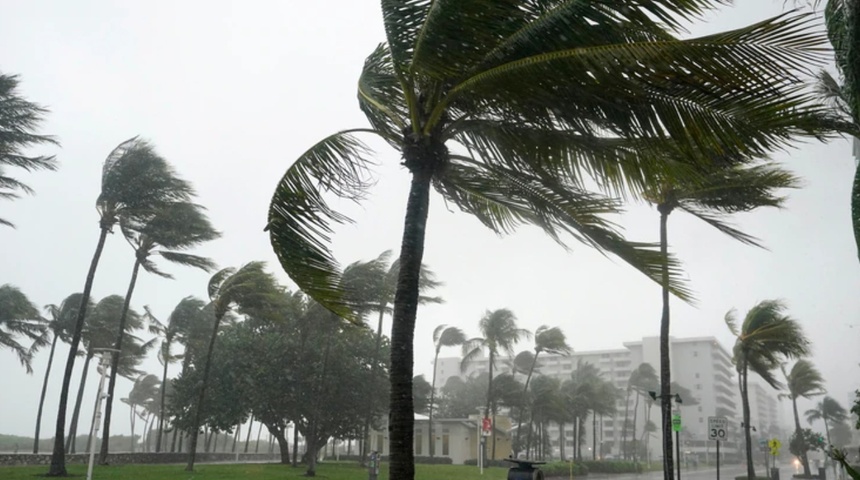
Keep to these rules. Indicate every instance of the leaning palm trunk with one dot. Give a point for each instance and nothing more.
(522, 405)
(405, 309)
(198, 414)
(103, 452)
(58, 457)
(42, 396)
(431, 444)
(798, 431)
(161, 403)
(73, 426)
(745, 402)
(665, 367)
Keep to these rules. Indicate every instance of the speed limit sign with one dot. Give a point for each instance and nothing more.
(718, 428)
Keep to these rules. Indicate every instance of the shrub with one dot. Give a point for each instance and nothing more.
(562, 469)
(611, 466)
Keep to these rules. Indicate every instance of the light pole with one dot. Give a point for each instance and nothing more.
(481, 442)
(104, 361)
(678, 402)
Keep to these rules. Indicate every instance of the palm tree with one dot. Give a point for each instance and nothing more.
(542, 97)
(606, 397)
(549, 340)
(443, 336)
(720, 193)
(18, 120)
(830, 412)
(20, 318)
(61, 322)
(135, 182)
(642, 380)
(500, 335)
(167, 232)
(144, 390)
(802, 381)
(182, 315)
(765, 338)
(248, 287)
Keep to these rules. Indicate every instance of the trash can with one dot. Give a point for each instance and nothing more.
(774, 473)
(524, 470)
(822, 473)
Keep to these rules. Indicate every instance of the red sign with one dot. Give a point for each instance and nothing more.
(486, 424)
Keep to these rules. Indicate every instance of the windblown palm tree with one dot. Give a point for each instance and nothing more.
(443, 336)
(802, 381)
(764, 340)
(20, 318)
(167, 232)
(248, 287)
(828, 411)
(19, 119)
(511, 123)
(499, 336)
(549, 340)
(144, 390)
(135, 182)
(716, 195)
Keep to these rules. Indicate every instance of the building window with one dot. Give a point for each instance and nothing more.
(444, 444)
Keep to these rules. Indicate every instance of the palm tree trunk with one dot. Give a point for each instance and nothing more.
(73, 426)
(295, 447)
(42, 396)
(431, 444)
(123, 317)
(522, 405)
(635, 452)
(593, 436)
(248, 435)
(665, 366)
(798, 431)
(192, 441)
(745, 402)
(368, 394)
(58, 456)
(561, 441)
(166, 358)
(259, 432)
(402, 428)
(132, 416)
(489, 404)
(624, 448)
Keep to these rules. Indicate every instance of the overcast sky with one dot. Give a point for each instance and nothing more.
(232, 92)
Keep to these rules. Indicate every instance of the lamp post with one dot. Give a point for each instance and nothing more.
(675, 426)
(104, 361)
(480, 441)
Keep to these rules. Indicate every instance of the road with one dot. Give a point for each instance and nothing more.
(729, 472)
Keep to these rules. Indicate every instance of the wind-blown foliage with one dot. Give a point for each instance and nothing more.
(802, 381)
(443, 336)
(829, 411)
(19, 318)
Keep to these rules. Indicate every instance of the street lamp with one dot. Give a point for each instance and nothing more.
(678, 400)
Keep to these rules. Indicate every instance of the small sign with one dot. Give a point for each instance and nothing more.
(774, 445)
(676, 423)
(718, 428)
(486, 426)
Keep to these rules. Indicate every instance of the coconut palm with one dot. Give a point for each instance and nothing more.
(59, 324)
(20, 318)
(642, 380)
(828, 411)
(245, 288)
(168, 232)
(716, 195)
(802, 381)
(550, 340)
(135, 182)
(443, 336)
(764, 340)
(539, 99)
(606, 397)
(144, 390)
(19, 119)
(499, 336)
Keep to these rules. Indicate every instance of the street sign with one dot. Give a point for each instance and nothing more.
(718, 428)
(676, 423)
(774, 445)
(486, 426)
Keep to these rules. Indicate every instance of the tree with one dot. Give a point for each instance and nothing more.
(642, 380)
(803, 441)
(549, 340)
(830, 412)
(443, 336)
(61, 322)
(144, 390)
(718, 194)
(248, 287)
(168, 232)
(802, 381)
(19, 119)
(765, 338)
(135, 181)
(20, 318)
(499, 335)
(421, 394)
(542, 97)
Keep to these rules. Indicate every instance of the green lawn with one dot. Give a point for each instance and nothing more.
(256, 471)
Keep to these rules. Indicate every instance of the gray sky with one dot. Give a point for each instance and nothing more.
(232, 92)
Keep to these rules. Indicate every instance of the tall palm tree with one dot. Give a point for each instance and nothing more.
(19, 119)
(642, 380)
(144, 390)
(542, 97)
(550, 340)
(60, 324)
(135, 181)
(19, 317)
(499, 336)
(718, 194)
(828, 411)
(606, 397)
(764, 340)
(443, 336)
(180, 318)
(167, 232)
(802, 381)
(247, 287)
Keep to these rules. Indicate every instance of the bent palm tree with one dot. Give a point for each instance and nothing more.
(764, 339)
(720, 193)
(828, 411)
(20, 318)
(443, 336)
(167, 232)
(135, 180)
(513, 123)
(18, 120)
(803, 380)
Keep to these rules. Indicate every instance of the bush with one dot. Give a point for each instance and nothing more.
(562, 469)
(611, 466)
(434, 460)
(489, 463)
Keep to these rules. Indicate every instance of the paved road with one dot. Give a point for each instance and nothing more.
(728, 472)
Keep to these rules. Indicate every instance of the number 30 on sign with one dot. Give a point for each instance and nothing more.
(718, 428)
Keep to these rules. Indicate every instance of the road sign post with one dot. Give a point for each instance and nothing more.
(718, 430)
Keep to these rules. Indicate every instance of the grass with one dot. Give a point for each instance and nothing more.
(256, 471)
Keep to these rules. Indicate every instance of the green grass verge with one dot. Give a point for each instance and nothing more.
(256, 471)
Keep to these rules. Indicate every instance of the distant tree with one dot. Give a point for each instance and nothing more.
(144, 390)
(19, 317)
(829, 411)
(19, 118)
(802, 381)
(458, 397)
(421, 394)
(443, 336)
(804, 441)
(840, 435)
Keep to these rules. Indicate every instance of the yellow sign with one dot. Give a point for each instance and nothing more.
(774, 445)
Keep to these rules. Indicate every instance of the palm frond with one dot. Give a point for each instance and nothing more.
(716, 221)
(196, 261)
(380, 96)
(300, 219)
